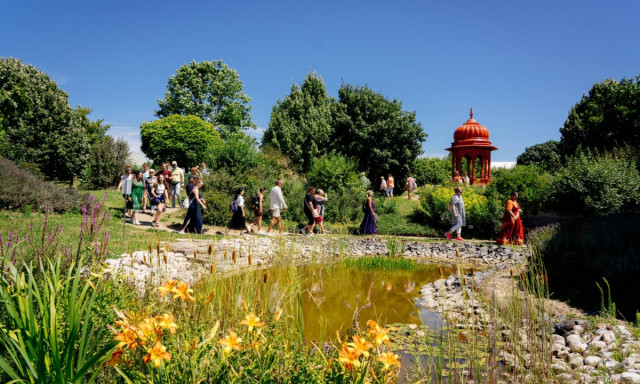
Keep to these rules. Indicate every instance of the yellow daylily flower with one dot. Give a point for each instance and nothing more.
(362, 345)
(127, 337)
(166, 321)
(116, 358)
(349, 357)
(157, 354)
(389, 359)
(231, 342)
(251, 320)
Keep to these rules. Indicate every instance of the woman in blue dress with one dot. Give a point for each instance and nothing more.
(368, 226)
(193, 220)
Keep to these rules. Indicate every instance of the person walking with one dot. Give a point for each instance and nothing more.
(310, 212)
(177, 179)
(368, 225)
(365, 181)
(390, 186)
(238, 218)
(410, 185)
(149, 183)
(465, 179)
(276, 204)
(258, 199)
(145, 176)
(511, 231)
(458, 215)
(128, 175)
(137, 196)
(204, 171)
(383, 186)
(160, 197)
(193, 219)
(321, 201)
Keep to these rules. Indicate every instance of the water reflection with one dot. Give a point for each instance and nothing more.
(331, 293)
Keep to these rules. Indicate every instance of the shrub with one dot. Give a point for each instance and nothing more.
(483, 220)
(107, 160)
(217, 212)
(431, 170)
(601, 185)
(180, 138)
(237, 155)
(19, 188)
(531, 182)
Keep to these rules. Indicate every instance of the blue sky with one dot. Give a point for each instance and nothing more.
(520, 65)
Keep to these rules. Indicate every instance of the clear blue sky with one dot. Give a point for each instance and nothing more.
(520, 65)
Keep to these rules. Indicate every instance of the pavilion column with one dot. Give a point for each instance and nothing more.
(458, 164)
(473, 168)
(453, 164)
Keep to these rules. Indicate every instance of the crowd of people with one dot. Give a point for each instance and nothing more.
(158, 189)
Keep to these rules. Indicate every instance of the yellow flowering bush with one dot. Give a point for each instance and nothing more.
(482, 215)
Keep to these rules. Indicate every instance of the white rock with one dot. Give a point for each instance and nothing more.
(630, 377)
(597, 344)
(573, 340)
(557, 339)
(576, 361)
(592, 360)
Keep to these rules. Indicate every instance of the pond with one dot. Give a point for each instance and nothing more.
(329, 294)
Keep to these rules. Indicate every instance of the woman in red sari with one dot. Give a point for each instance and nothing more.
(511, 231)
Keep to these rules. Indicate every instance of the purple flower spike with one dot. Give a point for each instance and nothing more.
(108, 237)
(91, 198)
(84, 209)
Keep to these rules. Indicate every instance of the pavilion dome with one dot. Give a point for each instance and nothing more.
(471, 129)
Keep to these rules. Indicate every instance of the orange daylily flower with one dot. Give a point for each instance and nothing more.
(362, 345)
(168, 287)
(349, 357)
(127, 337)
(166, 321)
(251, 320)
(378, 334)
(389, 359)
(183, 291)
(232, 341)
(157, 354)
(116, 358)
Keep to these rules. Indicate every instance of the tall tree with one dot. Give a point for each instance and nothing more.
(376, 131)
(545, 155)
(187, 139)
(213, 92)
(300, 125)
(606, 118)
(39, 127)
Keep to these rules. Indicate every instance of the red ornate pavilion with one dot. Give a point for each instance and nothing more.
(471, 142)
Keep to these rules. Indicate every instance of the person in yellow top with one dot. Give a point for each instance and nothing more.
(390, 185)
(177, 178)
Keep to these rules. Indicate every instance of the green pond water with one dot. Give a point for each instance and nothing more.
(330, 294)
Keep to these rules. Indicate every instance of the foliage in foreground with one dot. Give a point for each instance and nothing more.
(21, 188)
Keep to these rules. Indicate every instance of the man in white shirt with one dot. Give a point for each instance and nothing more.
(277, 203)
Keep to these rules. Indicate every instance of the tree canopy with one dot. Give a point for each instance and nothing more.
(185, 139)
(606, 118)
(545, 155)
(213, 92)
(300, 125)
(38, 126)
(376, 131)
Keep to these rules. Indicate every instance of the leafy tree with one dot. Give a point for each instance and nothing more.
(376, 132)
(608, 117)
(545, 155)
(237, 155)
(38, 125)
(96, 130)
(300, 125)
(213, 92)
(533, 184)
(106, 162)
(431, 170)
(186, 139)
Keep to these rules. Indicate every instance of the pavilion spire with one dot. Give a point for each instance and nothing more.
(471, 113)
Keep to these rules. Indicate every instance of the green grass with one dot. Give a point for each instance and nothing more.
(399, 222)
(381, 262)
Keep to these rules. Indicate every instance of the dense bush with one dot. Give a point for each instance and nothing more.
(236, 155)
(20, 188)
(106, 163)
(533, 184)
(601, 185)
(483, 217)
(217, 212)
(431, 170)
(181, 138)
